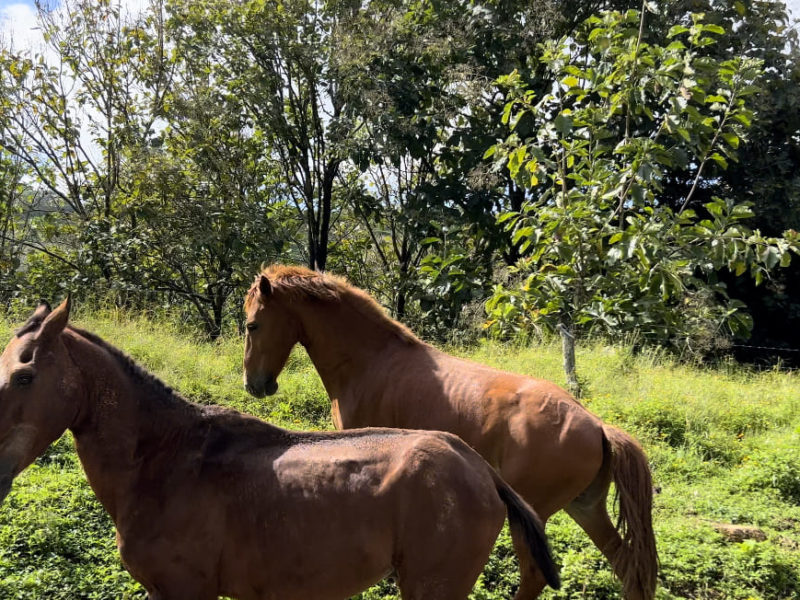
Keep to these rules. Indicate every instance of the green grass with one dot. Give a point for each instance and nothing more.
(724, 443)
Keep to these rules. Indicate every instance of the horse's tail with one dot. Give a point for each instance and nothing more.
(637, 559)
(526, 525)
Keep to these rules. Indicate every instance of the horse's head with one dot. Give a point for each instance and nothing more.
(272, 331)
(34, 376)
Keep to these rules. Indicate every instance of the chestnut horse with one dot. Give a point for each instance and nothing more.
(209, 502)
(547, 446)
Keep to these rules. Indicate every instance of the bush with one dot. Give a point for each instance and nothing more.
(775, 465)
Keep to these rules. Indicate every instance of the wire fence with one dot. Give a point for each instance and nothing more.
(773, 348)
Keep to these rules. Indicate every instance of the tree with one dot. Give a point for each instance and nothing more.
(768, 171)
(428, 108)
(77, 112)
(11, 225)
(208, 201)
(278, 62)
(602, 248)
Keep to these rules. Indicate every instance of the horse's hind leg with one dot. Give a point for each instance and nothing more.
(589, 511)
(593, 518)
(531, 580)
(596, 522)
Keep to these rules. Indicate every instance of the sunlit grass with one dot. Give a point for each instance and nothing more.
(724, 443)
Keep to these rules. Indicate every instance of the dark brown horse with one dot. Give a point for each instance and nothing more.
(547, 446)
(211, 502)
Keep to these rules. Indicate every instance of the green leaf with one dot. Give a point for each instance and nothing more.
(516, 159)
(430, 240)
(507, 112)
(570, 81)
(677, 30)
(731, 139)
(714, 29)
(563, 124)
(719, 159)
(522, 233)
(506, 216)
(771, 257)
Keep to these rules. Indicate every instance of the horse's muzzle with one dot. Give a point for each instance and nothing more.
(261, 386)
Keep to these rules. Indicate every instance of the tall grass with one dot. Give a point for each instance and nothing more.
(724, 443)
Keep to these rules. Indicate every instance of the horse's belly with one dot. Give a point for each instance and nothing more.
(310, 560)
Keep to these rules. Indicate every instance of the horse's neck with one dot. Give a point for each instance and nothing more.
(348, 350)
(117, 415)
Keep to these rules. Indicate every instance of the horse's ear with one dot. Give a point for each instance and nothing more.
(55, 321)
(41, 311)
(35, 321)
(264, 286)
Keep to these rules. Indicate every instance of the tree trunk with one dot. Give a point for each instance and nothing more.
(312, 246)
(216, 327)
(328, 177)
(568, 352)
(400, 306)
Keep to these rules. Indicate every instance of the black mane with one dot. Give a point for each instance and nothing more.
(160, 390)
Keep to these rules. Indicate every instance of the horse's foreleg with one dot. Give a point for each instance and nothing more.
(448, 566)
(191, 591)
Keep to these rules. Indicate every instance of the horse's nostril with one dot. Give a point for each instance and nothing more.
(254, 391)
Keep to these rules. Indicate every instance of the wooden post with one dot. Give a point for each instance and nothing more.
(568, 352)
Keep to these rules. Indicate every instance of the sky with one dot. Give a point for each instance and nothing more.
(18, 21)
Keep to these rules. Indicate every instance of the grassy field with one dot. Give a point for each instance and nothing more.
(724, 444)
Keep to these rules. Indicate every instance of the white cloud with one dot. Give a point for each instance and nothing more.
(19, 28)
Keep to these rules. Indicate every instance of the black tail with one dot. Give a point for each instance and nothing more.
(523, 520)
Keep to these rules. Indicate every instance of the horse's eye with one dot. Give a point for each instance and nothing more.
(23, 379)
(252, 326)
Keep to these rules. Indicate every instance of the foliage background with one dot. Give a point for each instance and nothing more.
(156, 158)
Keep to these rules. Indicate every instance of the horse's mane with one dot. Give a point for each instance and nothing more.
(229, 424)
(302, 283)
(158, 390)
